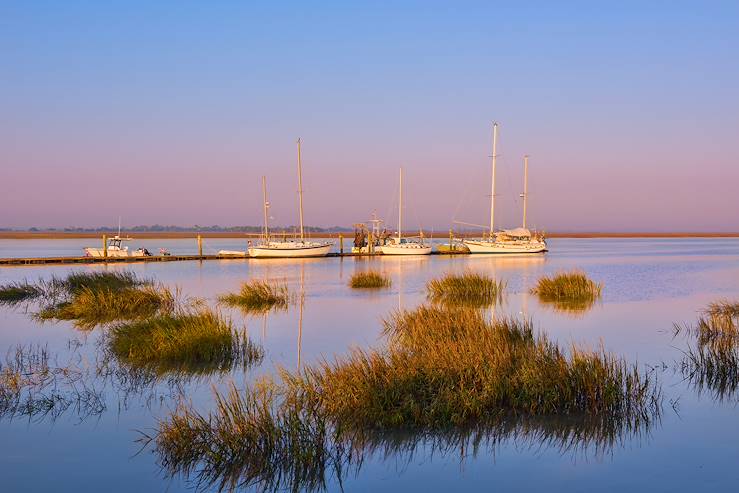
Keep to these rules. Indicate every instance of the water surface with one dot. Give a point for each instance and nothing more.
(649, 285)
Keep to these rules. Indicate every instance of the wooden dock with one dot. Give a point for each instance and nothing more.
(165, 258)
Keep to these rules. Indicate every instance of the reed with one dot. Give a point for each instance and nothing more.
(454, 366)
(94, 281)
(719, 319)
(711, 361)
(248, 440)
(191, 339)
(17, 292)
(258, 296)
(369, 280)
(469, 288)
(449, 379)
(35, 386)
(569, 290)
(90, 307)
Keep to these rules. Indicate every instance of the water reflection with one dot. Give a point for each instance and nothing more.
(298, 450)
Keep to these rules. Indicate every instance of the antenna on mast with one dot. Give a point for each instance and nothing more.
(300, 192)
(525, 193)
(492, 186)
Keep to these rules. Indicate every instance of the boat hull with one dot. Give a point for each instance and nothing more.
(296, 250)
(498, 248)
(99, 252)
(405, 250)
(232, 253)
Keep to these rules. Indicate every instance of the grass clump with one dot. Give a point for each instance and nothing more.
(568, 291)
(91, 307)
(453, 366)
(258, 296)
(447, 377)
(188, 339)
(711, 361)
(97, 281)
(369, 280)
(13, 293)
(469, 288)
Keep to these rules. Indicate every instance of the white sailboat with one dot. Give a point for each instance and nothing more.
(400, 245)
(290, 248)
(518, 240)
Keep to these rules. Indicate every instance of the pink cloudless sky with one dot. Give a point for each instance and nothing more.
(160, 115)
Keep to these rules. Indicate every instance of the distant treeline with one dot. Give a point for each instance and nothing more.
(156, 228)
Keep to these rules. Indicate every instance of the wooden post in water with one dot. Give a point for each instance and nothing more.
(371, 244)
(341, 244)
(105, 246)
(200, 246)
(451, 240)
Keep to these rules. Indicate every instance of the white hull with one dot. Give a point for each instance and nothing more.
(405, 249)
(99, 252)
(232, 253)
(290, 249)
(497, 247)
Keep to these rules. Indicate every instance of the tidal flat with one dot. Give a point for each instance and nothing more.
(78, 402)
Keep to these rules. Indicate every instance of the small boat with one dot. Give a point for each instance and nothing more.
(519, 240)
(115, 249)
(400, 245)
(290, 248)
(369, 240)
(232, 253)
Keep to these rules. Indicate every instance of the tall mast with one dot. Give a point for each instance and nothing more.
(119, 225)
(266, 207)
(525, 186)
(492, 186)
(400, 205)
(300, 192)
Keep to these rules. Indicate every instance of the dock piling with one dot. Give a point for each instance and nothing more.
(105, 246)
(341, 244)
(200, 246)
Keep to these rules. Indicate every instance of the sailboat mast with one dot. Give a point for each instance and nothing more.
(400, 205)
(492, 186)
(300, 192)
(266, 207)
(525, 186)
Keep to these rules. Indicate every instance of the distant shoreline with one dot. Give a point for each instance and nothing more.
(58, 235)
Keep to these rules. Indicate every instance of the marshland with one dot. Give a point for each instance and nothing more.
(278, 375)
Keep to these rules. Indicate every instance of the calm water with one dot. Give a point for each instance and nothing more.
(649, 285)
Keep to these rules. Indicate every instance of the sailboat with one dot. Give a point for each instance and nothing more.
(400, 245)
(518, 240)
(288, 248)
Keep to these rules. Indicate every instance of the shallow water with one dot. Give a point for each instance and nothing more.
(649, 285)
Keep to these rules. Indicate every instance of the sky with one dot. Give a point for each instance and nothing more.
(171, 112)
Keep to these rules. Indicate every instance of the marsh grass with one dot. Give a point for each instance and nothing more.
(91, 307)
(258, 296)
(18, 292)
(469, 288)
(34, 386)
(369, 280)
(447, 377)
(187, 340)
(453, 366)
(711, 361)
(569, 292)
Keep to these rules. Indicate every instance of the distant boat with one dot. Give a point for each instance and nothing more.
(400, 245)
(115, 248)
(519, 240)
(288, 248)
